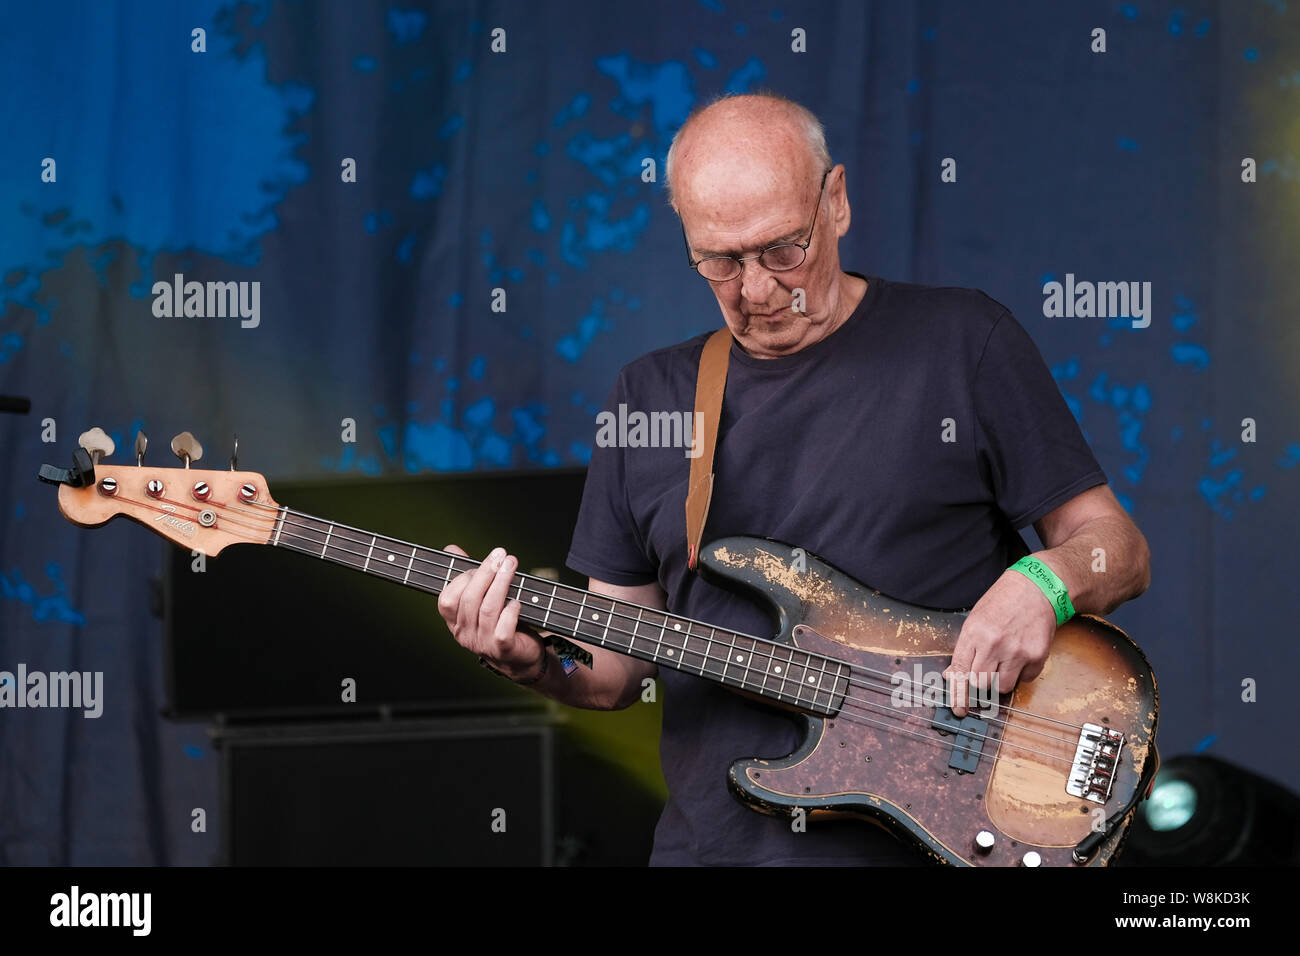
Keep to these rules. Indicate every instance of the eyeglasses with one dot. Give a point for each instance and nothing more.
(781, 257)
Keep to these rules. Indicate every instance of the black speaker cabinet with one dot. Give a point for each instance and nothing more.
(454, 791)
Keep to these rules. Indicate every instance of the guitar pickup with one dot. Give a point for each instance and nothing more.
(1092, 774)
(969, 733)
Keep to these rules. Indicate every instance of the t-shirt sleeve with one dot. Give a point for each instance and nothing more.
(1029, 444)
(606, 543)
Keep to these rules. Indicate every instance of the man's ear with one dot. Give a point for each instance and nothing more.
(843, 214)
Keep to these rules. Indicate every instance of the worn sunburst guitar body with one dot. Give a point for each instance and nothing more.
(983, 791)
(1049, 776)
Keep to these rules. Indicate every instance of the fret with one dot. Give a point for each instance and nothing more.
(646, 618)
(744, 660)
(684, 662)
(820, 681)
(660, 653)
(557, 610)
(797, 677)
(451, 564)
(835, 687)
(726, 661)
(578, 620)
(677, 626)
(809, 682)
(279, 525)
(554, 588)
(306, 534)
(762, 688)
(754, 655)
(812, 682)
(535, 599)
(631, 641)
(325, 546)
(609, 609)
(784, 671)
(366, 566)
(659, 643)
(387, 565)
(409, 564)
(835, 683)
(609, 616)
(708, 651)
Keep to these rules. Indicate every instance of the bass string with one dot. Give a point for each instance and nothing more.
(753, 685)
(335, 526)
(334, 530)
(893, 728)
(758, 642)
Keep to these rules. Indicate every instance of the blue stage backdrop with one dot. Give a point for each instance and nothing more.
(214, 141)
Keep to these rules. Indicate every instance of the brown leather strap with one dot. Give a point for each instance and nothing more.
(709, 386)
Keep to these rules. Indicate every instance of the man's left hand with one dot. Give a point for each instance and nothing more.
(1008, 633)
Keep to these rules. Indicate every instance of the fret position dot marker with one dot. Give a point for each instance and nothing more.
(534, 598)
(812, 680)
(740, 658)
(392, 557)
(677, 627)
(778, 670)
(670, 653)
(595, 617)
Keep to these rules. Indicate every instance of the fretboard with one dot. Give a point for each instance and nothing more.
(776, 671)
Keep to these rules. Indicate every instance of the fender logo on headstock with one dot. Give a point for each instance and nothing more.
(184, 527)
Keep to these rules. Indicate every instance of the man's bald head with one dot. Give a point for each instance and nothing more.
(760, 135)
(748, 176)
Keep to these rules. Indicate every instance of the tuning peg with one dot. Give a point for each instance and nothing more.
(234, 455)
(97, 444)
(187, 448)
(141, 443)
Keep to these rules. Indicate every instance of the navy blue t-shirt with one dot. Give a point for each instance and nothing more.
(839, 449)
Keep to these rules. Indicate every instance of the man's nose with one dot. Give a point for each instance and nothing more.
(755, 281)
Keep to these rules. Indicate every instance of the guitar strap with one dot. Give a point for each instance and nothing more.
(709, 387)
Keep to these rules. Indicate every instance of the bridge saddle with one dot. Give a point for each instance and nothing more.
(1095, 760)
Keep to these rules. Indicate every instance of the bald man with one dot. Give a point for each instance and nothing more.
(834, 437)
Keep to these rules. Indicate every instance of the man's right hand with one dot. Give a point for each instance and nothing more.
(475, 608)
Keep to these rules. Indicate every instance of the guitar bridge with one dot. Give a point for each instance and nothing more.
(1095, 758)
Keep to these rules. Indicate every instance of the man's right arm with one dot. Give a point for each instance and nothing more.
(475, 608)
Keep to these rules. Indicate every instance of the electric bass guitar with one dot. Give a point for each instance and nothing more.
(1050, 776)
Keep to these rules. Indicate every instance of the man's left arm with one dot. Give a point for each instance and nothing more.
(1101, 557)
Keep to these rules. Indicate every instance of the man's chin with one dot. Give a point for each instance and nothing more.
(774, 336)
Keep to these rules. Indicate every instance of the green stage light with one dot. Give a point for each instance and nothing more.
(1204, 811)
(1172, 804)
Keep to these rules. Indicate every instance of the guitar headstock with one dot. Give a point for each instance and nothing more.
(200, 510)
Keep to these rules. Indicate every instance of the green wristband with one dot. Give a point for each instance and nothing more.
(1053, 588)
